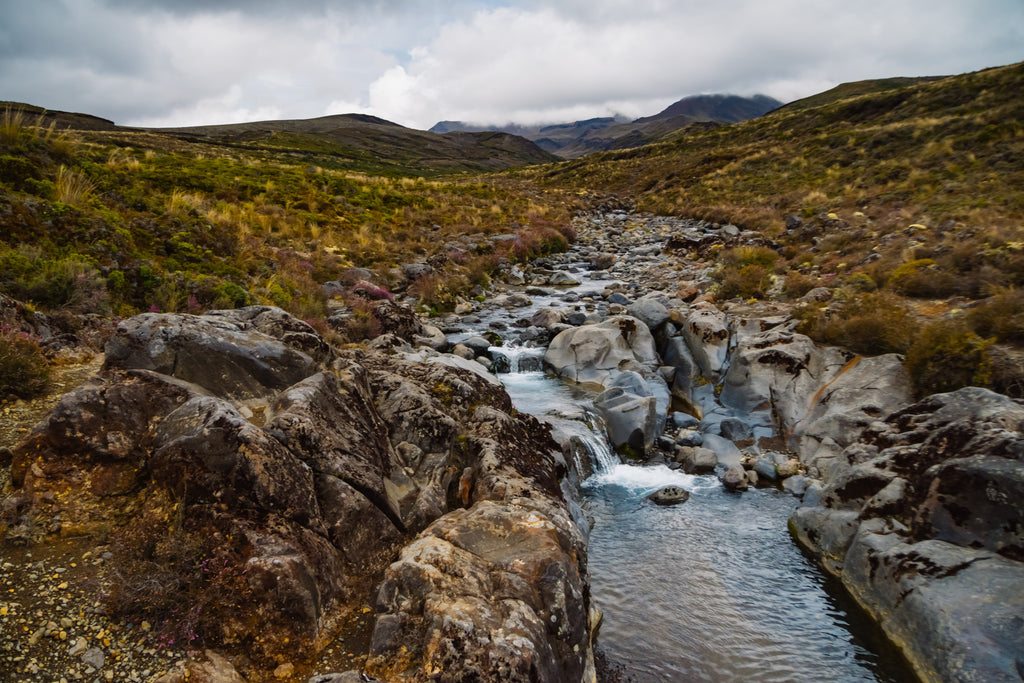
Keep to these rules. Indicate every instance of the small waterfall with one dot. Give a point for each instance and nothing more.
(512, 359)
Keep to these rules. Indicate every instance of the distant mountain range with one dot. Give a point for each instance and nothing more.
(573, 140)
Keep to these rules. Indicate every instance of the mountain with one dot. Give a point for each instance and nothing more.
(355, 141)
(724, 108)
(573, 140)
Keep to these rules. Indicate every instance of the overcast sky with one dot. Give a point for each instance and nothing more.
(415, 62)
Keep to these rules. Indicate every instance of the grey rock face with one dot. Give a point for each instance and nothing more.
(593, 354)
(217, 354)
(922, 519)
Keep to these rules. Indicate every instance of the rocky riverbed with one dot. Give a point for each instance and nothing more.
(233, 480)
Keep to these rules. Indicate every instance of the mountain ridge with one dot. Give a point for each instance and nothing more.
(579, 138)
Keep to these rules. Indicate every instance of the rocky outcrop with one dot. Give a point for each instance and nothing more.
(595, 354)
(318, 465)
(922, 520)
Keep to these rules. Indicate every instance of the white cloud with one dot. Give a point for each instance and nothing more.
(418, 61)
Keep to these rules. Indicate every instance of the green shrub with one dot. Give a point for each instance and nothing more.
(24, 371)
(748, 282)
(1000, 316)
(797, 284)
(947, 356)
(872, 324)
(922, 278)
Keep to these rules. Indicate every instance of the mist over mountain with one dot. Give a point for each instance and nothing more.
(578, 138)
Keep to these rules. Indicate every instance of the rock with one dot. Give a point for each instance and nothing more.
(921, 518)
(478, 345)
(346, 677)
(669, 495)
(602, 261)
(787, 469)
(796, 485)
(618, 298)
(78, 647)
(689, 437)
(431, 337)
(94, 657)
(312, 493)
(436, 610)
(221, 356)
(546, 317)
(631, 420)
(726, 451)
(816, 295)
(684, 421)
(652, 312)
(735, 478)
(706, 331)
(284, 670)
(509, 301)
(463, 351)
(954, 611)
(576, 318)
(735, 429)
(562, 279)
(593, 354)
(416, 271)
(400, 321)
(765, 469)
(696, 460)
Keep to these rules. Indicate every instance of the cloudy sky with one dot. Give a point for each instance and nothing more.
(415, 62)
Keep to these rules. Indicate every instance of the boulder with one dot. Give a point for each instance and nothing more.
(546, 317)
(921, 518)
(669, 495)
(560, 278)
(706, 331)
(630, 420)
(651, 311)
(301, 494)
(437, 609)
(696, 460)
(431, 337)
(593, 354)
(735, 478)
(213, 352)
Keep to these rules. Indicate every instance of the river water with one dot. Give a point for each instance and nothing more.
(710, 590)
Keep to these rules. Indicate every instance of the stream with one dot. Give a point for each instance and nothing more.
(710, 590)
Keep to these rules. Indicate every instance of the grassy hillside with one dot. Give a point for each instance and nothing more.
(906, 202)
(117, 222)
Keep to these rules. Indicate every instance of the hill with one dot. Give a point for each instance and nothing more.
(573, 140)
(115, 221)
(905, 201)
(369, 139)
(346, 141)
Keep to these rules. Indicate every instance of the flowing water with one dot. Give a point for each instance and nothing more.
(710, 590)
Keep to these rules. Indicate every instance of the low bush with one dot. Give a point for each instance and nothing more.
(797, 284)
(1000, 316)
(748, 282)
(946, 356)
(24, 371)
(871, 324)
(180, 577)
(922, 278)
